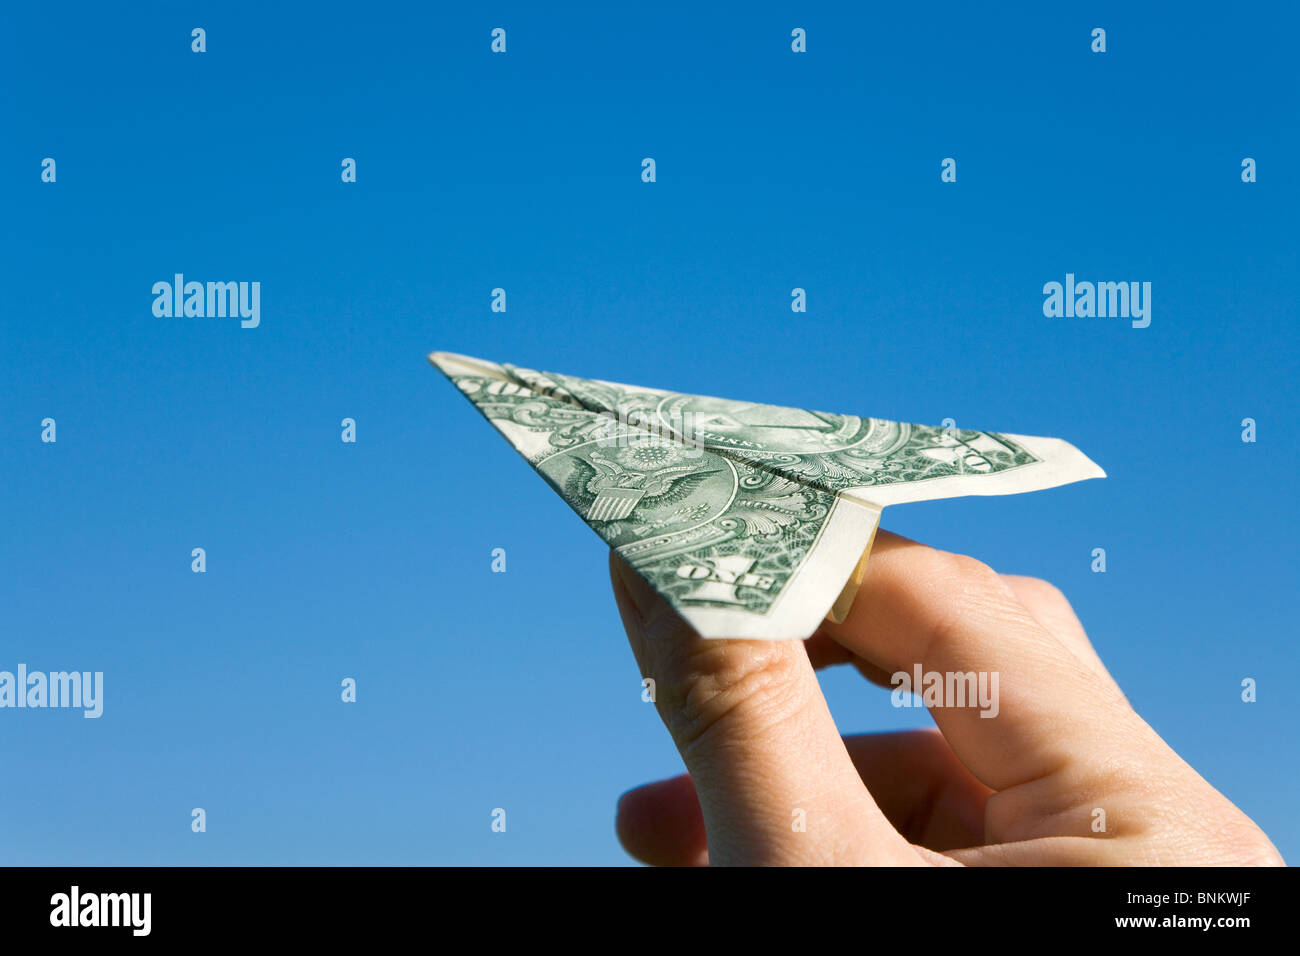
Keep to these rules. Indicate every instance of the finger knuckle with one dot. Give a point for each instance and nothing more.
(969, 571)
(1044, 590)
(718, 683)
(957, 589)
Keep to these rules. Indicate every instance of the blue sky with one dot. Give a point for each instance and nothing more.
(522, 171)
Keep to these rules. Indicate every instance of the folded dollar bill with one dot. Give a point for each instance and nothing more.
(753, 521)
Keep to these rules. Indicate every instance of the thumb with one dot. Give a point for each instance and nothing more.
(775, 782)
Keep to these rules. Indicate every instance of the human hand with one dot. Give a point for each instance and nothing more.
(1021, 788)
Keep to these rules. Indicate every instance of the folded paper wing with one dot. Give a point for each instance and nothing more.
(753, 521)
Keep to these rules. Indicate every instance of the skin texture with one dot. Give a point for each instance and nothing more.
(1021, 788)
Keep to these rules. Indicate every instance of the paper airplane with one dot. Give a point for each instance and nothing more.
(753, 521)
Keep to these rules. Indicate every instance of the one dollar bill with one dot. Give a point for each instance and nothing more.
(753, 521)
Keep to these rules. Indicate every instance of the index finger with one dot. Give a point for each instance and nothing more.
(953, 617)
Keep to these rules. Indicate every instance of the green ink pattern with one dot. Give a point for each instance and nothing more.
(716, 503)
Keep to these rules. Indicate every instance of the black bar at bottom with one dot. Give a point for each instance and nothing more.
(375, 905)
